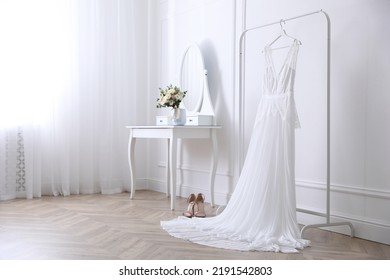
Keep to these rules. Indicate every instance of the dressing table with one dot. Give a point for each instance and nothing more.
(200, 123)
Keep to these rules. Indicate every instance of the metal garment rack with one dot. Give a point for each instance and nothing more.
(242, 121)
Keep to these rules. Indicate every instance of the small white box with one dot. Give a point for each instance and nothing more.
(163, 120)
(200, 120)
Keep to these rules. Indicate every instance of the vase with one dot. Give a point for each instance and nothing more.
(178, 116)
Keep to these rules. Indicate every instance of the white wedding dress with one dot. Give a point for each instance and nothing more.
(261, 214)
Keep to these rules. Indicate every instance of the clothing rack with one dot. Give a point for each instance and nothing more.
(242, 121)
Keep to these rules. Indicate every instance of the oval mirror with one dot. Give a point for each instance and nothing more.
(192, 78)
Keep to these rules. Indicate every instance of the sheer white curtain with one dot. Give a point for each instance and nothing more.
(67, 87)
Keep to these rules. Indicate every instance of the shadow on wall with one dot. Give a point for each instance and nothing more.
(218, 98)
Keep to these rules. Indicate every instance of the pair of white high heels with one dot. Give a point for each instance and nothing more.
(195, 206)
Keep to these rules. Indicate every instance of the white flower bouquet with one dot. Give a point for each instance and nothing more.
(170, 97)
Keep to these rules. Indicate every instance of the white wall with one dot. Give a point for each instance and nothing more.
(360, 65)
(181, 23)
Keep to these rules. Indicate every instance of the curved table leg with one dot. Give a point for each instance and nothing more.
(214, 162)
(131, 163)
(172, 168)
(167, 172)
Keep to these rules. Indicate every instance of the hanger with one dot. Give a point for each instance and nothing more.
(282, 34)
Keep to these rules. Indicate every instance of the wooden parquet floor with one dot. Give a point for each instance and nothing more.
(113, 227)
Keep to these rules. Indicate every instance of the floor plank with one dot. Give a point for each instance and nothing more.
(113, 227)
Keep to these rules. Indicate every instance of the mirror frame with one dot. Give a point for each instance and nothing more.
(198, 106)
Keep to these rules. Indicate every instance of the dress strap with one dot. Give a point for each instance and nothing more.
(292, 55)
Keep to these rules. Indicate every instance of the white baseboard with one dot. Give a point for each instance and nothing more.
(366, 209)
(220, 198)
(362, 229)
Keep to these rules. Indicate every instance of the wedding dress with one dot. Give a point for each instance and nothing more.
(261, 214)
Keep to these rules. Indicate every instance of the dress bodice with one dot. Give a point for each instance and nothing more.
(278, 87)
(282, 81)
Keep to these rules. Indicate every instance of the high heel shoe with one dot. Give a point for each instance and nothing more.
(200, 213)
(189, 213)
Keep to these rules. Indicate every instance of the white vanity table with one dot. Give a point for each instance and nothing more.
(172, 133)
(200, 122)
